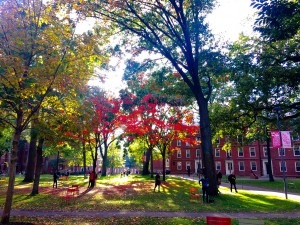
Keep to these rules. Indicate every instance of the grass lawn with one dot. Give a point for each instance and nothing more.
(109, 195)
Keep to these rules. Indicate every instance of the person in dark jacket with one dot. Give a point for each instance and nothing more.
(205, 185)
(55, 178)
(157, 182)
(232, 180)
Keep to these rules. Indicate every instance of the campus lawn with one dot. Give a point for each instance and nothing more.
(109, 195)
(277, 185)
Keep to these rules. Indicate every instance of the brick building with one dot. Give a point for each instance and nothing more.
(241, 160)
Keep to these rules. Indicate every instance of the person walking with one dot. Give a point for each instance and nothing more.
(205, 185)
(232, 180)
(55, 178)
(157, 182)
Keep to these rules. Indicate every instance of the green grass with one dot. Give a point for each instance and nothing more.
(174, 196)
(277, 185)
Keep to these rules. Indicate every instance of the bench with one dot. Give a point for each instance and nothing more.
(251, 222)
(212, 220)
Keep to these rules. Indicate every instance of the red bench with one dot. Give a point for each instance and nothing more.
(212, 220)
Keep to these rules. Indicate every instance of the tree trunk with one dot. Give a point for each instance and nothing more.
(151, 165)
(29, 174)
(207, 148)
(164, 162)
(12, 173)
(269, 166)
(146, 163)
(39, 163)
(84, 159)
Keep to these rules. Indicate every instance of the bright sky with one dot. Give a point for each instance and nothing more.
(231, 18)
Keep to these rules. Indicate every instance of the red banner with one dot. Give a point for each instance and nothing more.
(276, 140)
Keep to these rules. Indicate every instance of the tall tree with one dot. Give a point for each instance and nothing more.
(38, 52)
(176, 30)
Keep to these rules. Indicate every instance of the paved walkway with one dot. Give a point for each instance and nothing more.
(291, 196)
(41, 213)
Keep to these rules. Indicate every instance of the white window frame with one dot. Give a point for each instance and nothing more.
(188, 164)
(280, 166)
(229, 153)
(252, 165)
(198, 153)
(188, 153)
(178, 142)
(218, 141)
(296, 148)
(219, 152)
(297, 162)
(281, 150)
(179, 165)
(187, 144)
(240, 148)
(218, 165)
(179, 154)
(251, 150)
(241, 163)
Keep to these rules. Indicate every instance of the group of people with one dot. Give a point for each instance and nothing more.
(205, 184)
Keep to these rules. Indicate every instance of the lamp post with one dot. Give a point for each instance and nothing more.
(277, 109)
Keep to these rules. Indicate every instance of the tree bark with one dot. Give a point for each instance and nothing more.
(29, 174)
(146, 163)
(39, 163)
(84, 159)
(12, 172)
(207, 148)
(269, 166)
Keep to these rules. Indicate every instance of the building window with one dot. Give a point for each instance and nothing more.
(188, 165)
(282, 166)
(188, 153)
(296, 150)
(241, 152)
(178, 142)
(187, 144)
(218, 165)
(167, 163)
(297, 165)
(281, 152)
(179, 166)
(252, 152)
(295, 137)
(239, 139)
(198, 153)
(198, 139)
(241, 166)
(217, 152)
(178, 153)
(218, 141)
(253, 166)
(228, 153)
(265, 150)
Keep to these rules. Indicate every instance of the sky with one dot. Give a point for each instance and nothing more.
(227, 21)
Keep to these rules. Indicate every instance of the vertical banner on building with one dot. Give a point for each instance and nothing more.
(276, 140)
(286, 139)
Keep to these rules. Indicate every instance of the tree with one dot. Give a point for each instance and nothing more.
(106, 122)
(177, 31)
(38, 52)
